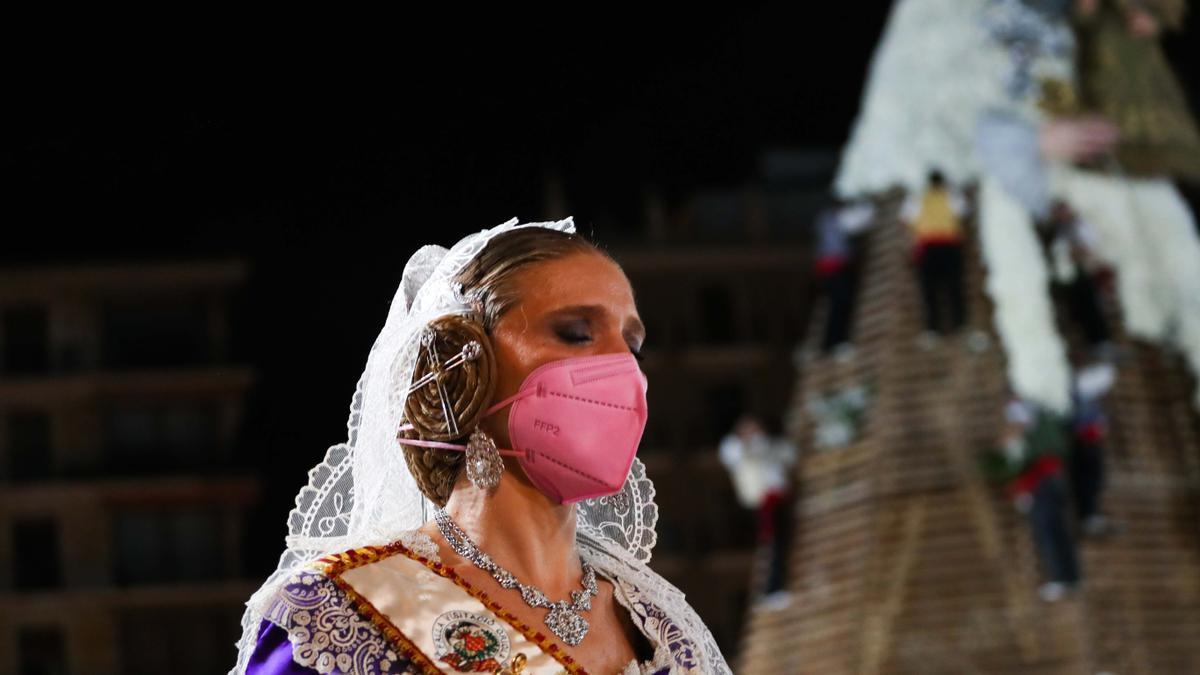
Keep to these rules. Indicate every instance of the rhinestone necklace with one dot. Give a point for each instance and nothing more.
(563, 619)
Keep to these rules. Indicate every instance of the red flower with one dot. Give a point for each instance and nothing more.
(474, 643)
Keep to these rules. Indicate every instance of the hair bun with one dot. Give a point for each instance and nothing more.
(467, 387)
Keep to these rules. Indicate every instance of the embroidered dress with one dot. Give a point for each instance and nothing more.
(397, 609)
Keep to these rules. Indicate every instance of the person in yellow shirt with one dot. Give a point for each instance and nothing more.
(934, 219)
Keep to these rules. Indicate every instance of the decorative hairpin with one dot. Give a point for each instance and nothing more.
(469, 352)
(470, 300)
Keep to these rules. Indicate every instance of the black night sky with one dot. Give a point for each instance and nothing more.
(325, 166)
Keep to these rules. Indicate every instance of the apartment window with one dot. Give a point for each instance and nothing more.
(155, 334)
(717, 322)
(168, 546)
(156, 438)
(719, 215)
(70, 357)
(26, 341)
(787, 208)
(29, 453)
(671, 535)
(654, 439)
(681, 331)
(612, 209)
(188, 432)
(36, 563)
(41, 651)
(724, 403)
(194, 539)
(180, 641)
(766, 315)
(133, 431)
(658, 333)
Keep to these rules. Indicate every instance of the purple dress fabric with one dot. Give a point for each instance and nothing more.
(272, 654)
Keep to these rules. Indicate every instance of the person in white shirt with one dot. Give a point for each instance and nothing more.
(760, 468)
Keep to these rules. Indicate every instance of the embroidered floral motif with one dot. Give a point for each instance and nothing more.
(327, 633)
(471, 643)
(662, 632)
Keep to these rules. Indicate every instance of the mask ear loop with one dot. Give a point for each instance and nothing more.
(469, 352)
(455, 446)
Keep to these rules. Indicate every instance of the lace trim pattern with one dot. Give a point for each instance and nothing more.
(332, 626)
(672, 648)
(662, 663)
(327, 633)
(627, 518)
(421, 544)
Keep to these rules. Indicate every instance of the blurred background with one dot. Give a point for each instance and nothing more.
(198, 253)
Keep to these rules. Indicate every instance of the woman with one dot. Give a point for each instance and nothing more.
(519, 346)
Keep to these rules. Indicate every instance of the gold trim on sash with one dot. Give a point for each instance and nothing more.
(418, 605)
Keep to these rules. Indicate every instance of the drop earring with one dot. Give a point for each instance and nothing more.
(484, 464)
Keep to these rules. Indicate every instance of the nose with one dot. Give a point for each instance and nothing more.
(615, 343)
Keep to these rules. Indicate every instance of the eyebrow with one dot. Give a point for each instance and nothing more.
(634, 327)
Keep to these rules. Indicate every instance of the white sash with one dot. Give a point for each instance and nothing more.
(452, 627)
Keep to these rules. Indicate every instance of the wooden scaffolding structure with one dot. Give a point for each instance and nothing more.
(905, 559)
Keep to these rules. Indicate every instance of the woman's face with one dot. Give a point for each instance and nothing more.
(578, 305)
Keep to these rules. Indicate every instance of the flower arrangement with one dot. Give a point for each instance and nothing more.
(838, 416)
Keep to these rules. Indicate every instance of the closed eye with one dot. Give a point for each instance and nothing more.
(573, 337)
(577, 337)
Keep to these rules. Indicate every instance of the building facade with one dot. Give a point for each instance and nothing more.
(122, 507)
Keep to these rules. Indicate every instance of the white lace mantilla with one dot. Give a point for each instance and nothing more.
(325, 629)
(672, 651)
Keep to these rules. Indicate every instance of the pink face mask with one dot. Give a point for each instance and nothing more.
(575, 425)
